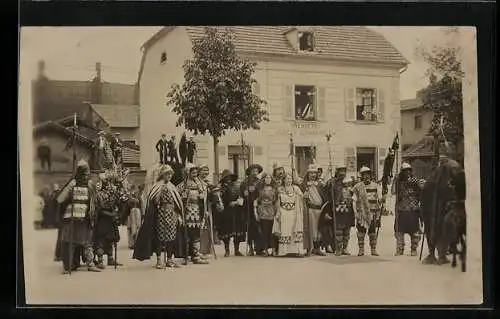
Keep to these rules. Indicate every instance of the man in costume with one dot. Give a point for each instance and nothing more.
(367, 199)
(231, 222)
(437, 193)
(278, 171)
(103, 155)
(77, 200)
(161, 147)
(314, 197)
(249, 192)
(191, 190)
(172, 151)
(191, 149)
(116, 148)
(212, 204)
(106, 233)
(407, 209)
(162, 217)
(340, 195)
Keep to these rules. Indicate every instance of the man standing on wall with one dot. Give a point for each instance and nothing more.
(172, 151)
(191, 150)
(161, 148)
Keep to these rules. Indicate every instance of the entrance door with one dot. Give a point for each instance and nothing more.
(238, 160)
(303, 158)
(366, 156)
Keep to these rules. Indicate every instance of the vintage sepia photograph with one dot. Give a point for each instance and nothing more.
(250, 165)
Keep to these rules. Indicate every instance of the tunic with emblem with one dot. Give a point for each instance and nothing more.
(190, 191)
(407, 205)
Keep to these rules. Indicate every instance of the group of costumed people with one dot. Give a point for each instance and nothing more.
(274, 214)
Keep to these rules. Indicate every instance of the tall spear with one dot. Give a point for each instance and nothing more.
(71, 225)
(243, 146)
(292, 155)
(330, 168)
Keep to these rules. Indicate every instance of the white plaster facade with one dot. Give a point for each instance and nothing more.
(276, 76)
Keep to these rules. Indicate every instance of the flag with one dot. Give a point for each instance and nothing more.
(395, 143)
(291, 147)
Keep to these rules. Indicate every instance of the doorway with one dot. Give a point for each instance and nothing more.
(366, 156)
(238, 159)
(303, 158)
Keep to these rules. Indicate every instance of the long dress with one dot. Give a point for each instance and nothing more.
(289, 224)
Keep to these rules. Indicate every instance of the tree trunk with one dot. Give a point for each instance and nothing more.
(216, 160)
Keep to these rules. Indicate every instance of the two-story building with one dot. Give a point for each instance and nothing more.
(415, 122)
(316, 80)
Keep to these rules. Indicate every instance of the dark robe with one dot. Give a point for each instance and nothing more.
(183, 149)
(254, 230)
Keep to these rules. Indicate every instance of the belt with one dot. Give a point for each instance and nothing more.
(314, 206)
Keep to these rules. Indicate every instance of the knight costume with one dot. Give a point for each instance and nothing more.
(77, 200)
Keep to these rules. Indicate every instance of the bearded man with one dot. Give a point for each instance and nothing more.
(77, 200)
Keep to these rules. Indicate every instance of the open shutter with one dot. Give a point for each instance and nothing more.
(320, 102)
(350, 106)
(288, 107)
(350, 159)
(381, 106)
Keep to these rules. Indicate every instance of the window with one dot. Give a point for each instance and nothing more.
(305, 103)
(366, 105)
(306, 41)
(418, 122)
(163, 58)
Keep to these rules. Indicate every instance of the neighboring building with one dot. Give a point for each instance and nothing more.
(317, 79)
(123, 119)
(56, 135)
(55, 99)
(415, 122)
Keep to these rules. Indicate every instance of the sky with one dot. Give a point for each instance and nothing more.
(70, 53)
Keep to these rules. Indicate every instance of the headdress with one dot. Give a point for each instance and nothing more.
(364, 169)
(227, 174)
(405, 165)
(252, 167)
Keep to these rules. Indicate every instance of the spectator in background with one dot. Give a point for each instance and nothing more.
(44, 155)
(39, 206)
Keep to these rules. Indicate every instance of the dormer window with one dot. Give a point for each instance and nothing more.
(306, 41)
(163, 58)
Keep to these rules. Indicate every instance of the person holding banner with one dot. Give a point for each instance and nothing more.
(77, 200)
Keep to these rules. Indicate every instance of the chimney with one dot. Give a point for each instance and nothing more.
(41, 68)
(98, 70)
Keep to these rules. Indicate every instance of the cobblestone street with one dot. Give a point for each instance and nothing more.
(329, 280)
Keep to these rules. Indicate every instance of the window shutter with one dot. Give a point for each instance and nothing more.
(320, 102)
(350, 106)
(381, 106)
(350, 159)
(288, 110)
(222, 150)
(256, 88)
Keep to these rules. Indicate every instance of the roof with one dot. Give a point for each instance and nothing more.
(354, 43)
(118, 115)
(423, 148)
(411, 104)
(344, 43)
(87, 135)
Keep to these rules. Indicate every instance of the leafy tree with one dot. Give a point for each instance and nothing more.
(443, 96)
(217, 93)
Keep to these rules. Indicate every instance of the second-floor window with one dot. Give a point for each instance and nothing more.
(306, 41)
(417, 122)
(305, 103)
(366, 100)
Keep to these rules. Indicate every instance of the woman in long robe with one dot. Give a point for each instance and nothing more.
(163, 215)
(288, 225)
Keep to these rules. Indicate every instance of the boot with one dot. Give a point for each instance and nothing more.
(100, 262)
(415, 239)
(430, 260)
(251, 251)
(237, 249)
(172, 264)
(373, 244)
(345, 244)
(400, 244)
(340, 248)
(91, 267)
(226, 248)
(329, 249)
(159, 263)
(316, 250)
(361, 244)
(196, 255)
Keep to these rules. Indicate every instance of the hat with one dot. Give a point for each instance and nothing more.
(117, 133)
(203, 166)
(405, 166)
(364, 169)
(277, 165)
(227, 173)
(101, 133)
(163, 169)
(82, 164)
(190, 166)
(341, 168)
(252, 167)
(312, 168)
